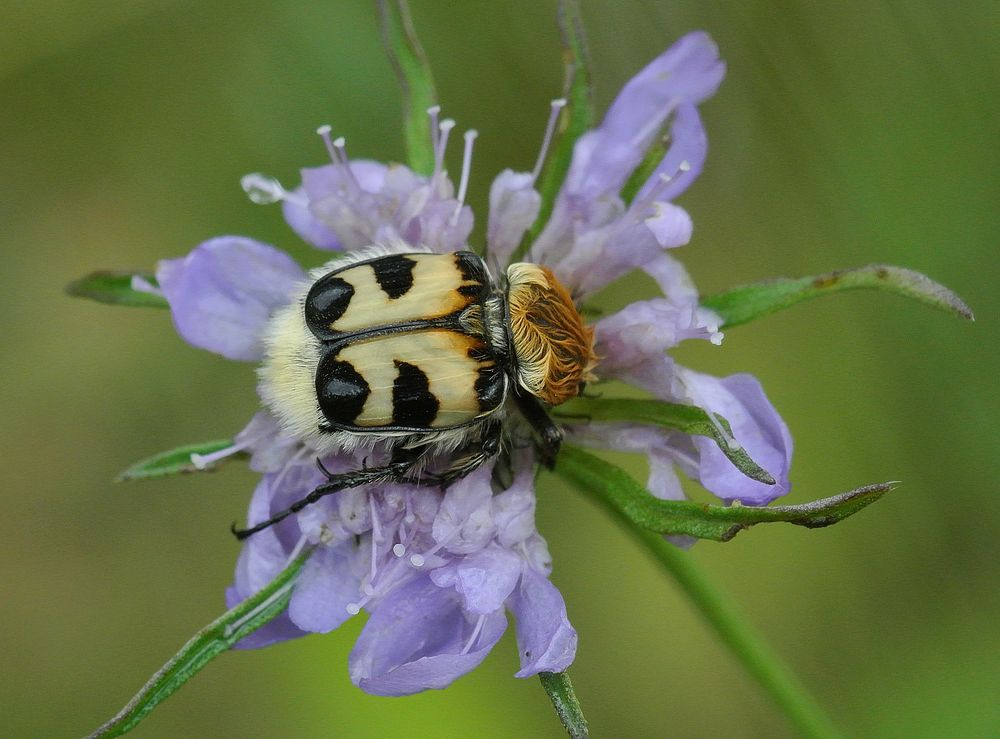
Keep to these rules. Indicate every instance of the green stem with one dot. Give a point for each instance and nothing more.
(746, 643)
(563, 697)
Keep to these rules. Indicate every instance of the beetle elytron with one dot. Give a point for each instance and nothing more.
(423, 352)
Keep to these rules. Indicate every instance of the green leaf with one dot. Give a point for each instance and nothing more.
(615, 489)
(207, 644)
(414, 74)
(116, 288)
(645, 170)
(560, 690)
(177, 460)
(576, 118)
(684, 418)
(745, 303)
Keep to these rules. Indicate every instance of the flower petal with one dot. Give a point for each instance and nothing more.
(756, 426)
(464, 523)
(222, 293)
(514, 508)
(684, 159)
(670, 225)
(305, 224)
(328, 582)
(514, 206)
(483, 580)
(546, 641)
(418, 638)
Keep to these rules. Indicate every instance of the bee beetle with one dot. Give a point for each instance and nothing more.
(426, 353)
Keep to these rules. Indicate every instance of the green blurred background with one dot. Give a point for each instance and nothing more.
(845, 133)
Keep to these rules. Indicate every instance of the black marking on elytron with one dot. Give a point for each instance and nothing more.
(473, 269)
(340, 390)
(413, 403)
(326, 302)
(394, 274)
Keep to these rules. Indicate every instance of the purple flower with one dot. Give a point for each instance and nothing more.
(438, 571)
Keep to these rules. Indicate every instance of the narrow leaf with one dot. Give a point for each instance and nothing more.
(117, 288)
(563, 697)
(576, 117)
(178, 460)
(687, 419)
(207, 644)
(414, 74)
(745, 303)
(614, 488)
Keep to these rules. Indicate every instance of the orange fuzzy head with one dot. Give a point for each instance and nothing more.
(553, 348)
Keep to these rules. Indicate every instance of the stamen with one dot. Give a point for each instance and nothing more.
(141, 285)
(202, 461)
(368, 589)
(555, 107)
(340, 144)
(324, 132)
(444, 128)
(398, 549)
(475, 633)
(417, 560)
(470, 137)
(262, 189)
(432, 113)
(353, 608)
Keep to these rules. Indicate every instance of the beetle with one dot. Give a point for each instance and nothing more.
(424, 352)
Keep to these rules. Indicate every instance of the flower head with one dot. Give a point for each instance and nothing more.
(438, 570)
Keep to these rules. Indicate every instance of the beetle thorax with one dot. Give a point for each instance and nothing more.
(553, 348)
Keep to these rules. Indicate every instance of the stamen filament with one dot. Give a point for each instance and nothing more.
(555, 107)
(444, 130)
(432, 113)
(475, 633)
(470, 138)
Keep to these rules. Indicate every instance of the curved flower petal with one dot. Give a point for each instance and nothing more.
(302, 221)
(419, 638)
(514, 508)
(756, 426)
(546, 641)
(464, 523)
(514, 206)
(684, 159)
(222, 293)
(270, 449)
(483, 580)
(328, 582)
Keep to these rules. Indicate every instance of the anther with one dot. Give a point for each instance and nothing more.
(470, 137)
(353, 608)
(555, 107)
(416, 560)
(398, 549)
(340, 146)
(324, 132)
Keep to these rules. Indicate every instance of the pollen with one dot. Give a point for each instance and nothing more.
(553, 347)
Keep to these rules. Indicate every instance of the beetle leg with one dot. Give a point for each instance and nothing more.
(395, 471)
(550, 435)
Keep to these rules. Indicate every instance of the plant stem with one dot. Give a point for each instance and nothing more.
(560, 690)
(746, 643)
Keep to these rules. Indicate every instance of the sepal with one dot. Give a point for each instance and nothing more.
(119, 288)
(687, 419)
(745, 303)
(219, 636)
(614, 487)
(414, 73)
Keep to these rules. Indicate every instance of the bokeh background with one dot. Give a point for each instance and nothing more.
(845, 133)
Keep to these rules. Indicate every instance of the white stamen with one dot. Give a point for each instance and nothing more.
(432, 113)
(340, 149)
(475, 633)
(417, 560)
(684, 166)
(409, 518)
(398, 549)
(716, 338)
(203, 461)
(444, 129)
(470, 137)
(555, 107)
(262, 189)
(353, 608)
(324, 132)
(368, 589)
(141, 285)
